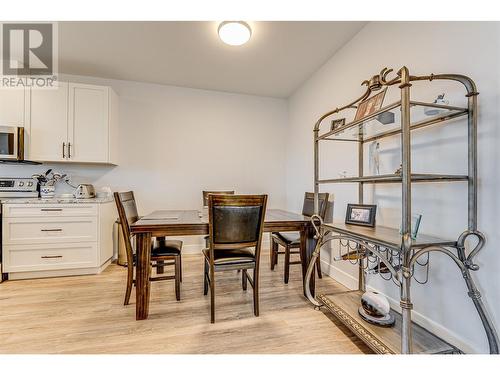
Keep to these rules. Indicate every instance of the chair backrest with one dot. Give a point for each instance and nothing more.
(236, 221)
(206, 193)
(308, 207)
(127, 211)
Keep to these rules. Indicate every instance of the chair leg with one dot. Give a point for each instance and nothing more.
(318, 267)
(271, 251)
(212, 295)
(255, 292)
(274, 254)
(244, 280)
(287, 264)
(180, 267)
(130, 282)
(178, 278)
(161, 267)
(205, 278)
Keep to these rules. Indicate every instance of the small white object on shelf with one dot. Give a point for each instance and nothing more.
(432, 111)
(375, 309)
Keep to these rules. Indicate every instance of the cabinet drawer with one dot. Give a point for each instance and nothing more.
(53, 210)
(25, 230)
(22, 258)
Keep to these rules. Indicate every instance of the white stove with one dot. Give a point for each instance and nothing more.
(14, 188)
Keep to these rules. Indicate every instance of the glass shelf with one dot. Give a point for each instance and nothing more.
(385, 236)
(387, 121)
(395, 178)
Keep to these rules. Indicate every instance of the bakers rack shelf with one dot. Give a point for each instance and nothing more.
(391, 252)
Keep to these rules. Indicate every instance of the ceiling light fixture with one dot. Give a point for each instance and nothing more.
(234, 33)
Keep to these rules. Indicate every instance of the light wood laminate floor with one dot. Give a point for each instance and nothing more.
(85, 314)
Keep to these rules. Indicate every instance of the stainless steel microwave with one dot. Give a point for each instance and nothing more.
(12, 143)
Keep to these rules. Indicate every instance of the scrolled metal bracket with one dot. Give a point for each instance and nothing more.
(316, 218)
(312, 262)
(466, 264)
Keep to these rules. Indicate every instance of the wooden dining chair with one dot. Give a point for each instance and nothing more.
(206, 193)
(163, 252)
(235, 235)
(291, 240)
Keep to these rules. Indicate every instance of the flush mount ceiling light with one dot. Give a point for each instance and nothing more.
(234, 33)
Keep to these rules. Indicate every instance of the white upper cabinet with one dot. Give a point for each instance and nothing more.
(49, 123)
(88, 130)
(74, 123)
(12, 106)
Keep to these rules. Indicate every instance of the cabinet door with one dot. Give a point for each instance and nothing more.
(88, 123)
(49, 123)
(12, 107)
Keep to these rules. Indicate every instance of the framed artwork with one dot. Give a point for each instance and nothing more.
(361, 214)
(337, 124)
(370, 105)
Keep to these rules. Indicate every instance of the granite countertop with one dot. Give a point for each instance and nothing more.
(56, 200)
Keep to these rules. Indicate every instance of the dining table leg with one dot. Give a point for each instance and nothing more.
(305, 256)
(143, 270)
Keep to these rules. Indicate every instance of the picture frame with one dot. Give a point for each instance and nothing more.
(337, 124)
(361, 214)
(370, 105)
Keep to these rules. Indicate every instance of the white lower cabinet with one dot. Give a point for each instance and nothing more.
(50, 257)
(26, 231)
(47, 240)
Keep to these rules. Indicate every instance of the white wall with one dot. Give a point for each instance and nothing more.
(176, 142)
(467, 48)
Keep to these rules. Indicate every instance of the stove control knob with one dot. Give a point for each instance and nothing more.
(30, 183)
(21, 183)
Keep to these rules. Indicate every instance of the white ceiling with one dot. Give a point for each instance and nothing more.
(278, 58)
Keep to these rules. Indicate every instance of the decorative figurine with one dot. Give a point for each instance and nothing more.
(399, 170)
(375, 309)
(433, 111)
(374, 160)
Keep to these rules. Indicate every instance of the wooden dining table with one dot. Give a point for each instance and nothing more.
(162, 223)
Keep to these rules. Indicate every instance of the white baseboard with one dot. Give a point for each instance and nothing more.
(351, 282)
(338, 275)
(59, 273)
(191, 249)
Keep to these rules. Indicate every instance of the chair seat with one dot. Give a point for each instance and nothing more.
(290, 238)
(231, 256)
(165, 248)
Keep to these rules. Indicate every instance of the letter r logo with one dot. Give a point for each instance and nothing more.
(27, 49)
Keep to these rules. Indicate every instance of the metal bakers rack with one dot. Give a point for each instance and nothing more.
(391, 252)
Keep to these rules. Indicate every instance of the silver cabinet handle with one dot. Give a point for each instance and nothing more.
(51, 256)
(51, 230)
(50, 209)
(69, 150)
(64, 150)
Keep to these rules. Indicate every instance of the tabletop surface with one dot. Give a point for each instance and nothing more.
(163, 218)
(390, 237)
